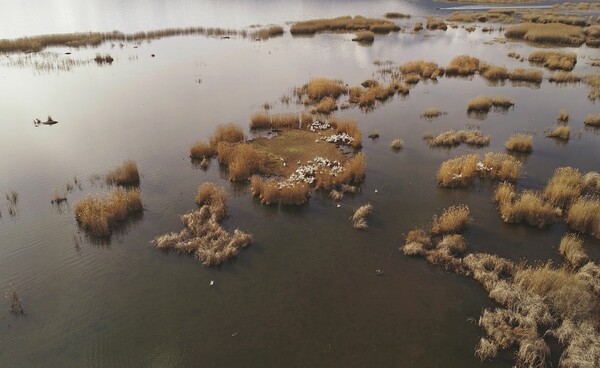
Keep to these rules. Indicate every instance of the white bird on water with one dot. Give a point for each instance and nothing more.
(211, 282)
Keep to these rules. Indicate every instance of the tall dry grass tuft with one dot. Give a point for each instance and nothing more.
(463, 65)
(480, 104)
(591, 181)
(418, 26)
(260, 120)
(563, 116)
(359, 218)
(436, 24)
(556, 34)
(125, 174)
(571, 248)
(326, 106)
(201, 150)
(350, 127)
(520, 143)
(417, 242)
(268, 32)
(526, 75)
(227, 133)
(453, 220)
(562, 132)
(354, 170)
(458, 172)
(584, 216)
(592, 120)
(424, 69)
(396, 15)
(272, 192)
(493, 72)
(565, 186)
(364, 36)
(502, 102)
(285, 120)
(529, 207)
(213, 196)
(554, 60)
(342, 24)
(453, 138)
(397, 144)
(100, 215)
(500, 166)
(432, 113)
(243, 160)
(318, 88)
(564, 77)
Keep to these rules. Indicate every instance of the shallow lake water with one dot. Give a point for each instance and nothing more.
(305, 293)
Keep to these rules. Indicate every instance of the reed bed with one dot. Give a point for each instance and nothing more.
(584, 216)
(364, 36)
(564, 77)
(453, 138)
(359, 217)
(397, 144)
(432, 113)
(564, 187)
(125, 174)
(396, 15)
(463, 65)
(418, 27)
(556, 34)
(203, 235)
(268, 32)
(592, 120)
(350, 127)
(227, 133)
(526, 75)
(326, 106)
(493, 72)
(571, 248)
(563, 116)
(99, 216)
(458, 172)
(38, 43)
(554, 60)
(260, 120)
(354, 171)
(591, 181)
(436, 24)
(102, 59)
(452, 220)
(286, 120)
(273, 192)
(425, 69)
(528, 207)
(520, 143)
(500, 166)
(552, 17)
(562, 132)
(200, 150)
(480, 104)
(343, 24)
(243, 160)
(318, 88)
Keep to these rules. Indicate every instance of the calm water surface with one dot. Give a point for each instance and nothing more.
(305, 293)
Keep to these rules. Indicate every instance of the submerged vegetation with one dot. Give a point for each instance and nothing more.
(16, 307)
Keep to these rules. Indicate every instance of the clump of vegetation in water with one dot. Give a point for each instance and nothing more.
(201, 150)
(463, 65)
(520, 143)
(125, 174)
(16, 307)
(359, 218)
(562, 132)
(343, 24)
(432, 113)
(452, 138)
(436, 24)
(364, 36)
(461, 171)
(554, 60)
(592, 120)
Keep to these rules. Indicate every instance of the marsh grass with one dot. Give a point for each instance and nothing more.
(562, 132)
(520, 143)
(571, 248)
(13, 299)
(564, 77)
(203, 235)
(526, 75)
(453, 138)
(556, 34)
(102, 59)
(342, 24)
(592, 120)
(529, 207)
(350, 127)
(453, 220)
(318, 88)
(99, 216)
(591, 181)
(243, 160)
(260, 120)
(463, 65)
(564, 187)
(500, 166)
(563, 116)
(483, 104)
(326, 106)
(418, 27)
(364, 36)
(493, 72)
(458, 172)
(268, 32)
(359, 217)
(436, 24)
(425, 69)
(396, 15)
(227, 133)
(593, 82)
(584, 216)
(273, 192)
(554, 60)
(126, 174)
(201, 150)
(432, 113)
(397, 144)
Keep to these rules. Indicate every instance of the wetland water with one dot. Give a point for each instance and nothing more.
(305, 293)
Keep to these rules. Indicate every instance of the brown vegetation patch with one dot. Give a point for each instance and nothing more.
(359, 217)
(424, 69)
(244, 160)
(454, 138)
(554, 60)
(592, 120)
(396, 15)
(526, 75)
(436, 24)
(418, 26)
(268, 32)
(520, 143)
(458, 172)
(565, 186)
(432, 113)
(564, 77)
(529, 207)
(326, 106)
(343, 24)
(99, 216)
(562, 132)
(318, 88)
(584, 216)
(227, 133)
(493, 72)
(125, 174)
(463, 65)
(364, 36)
(557, 34)
(571, 248)
(452, 220)
(200, 150)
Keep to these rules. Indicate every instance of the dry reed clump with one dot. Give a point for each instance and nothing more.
(502, 102)
(552, 17)
(103, 59)
(564, 77)
(563, 116)
(584, 216)
(501, 166)
(592, 35)
(432, 113)
(243, 160)
(591, 181)
(452, 220)
(354, 171)
(592, 120)
(125, 174)
(526, 75)
(364, 36)
(565, 186)
(318, 88)
(286, 120)
(425, 69)
(227, 133)
(529, 207)
(436, 24)
(201, 150)
(202, 234)
(480, 104)
(272, 192)
(350, 127)
(417, 243)
(359, 218)
(493, 72)
(463, 65)
(593, 82)
(396, 15)
(554, 60)
(458, 172)
(582, 342)
(562, 132)
(260, 120)
(418, 26)
(454, 138)
(571, 248)
(100, 215)
(558, 34)
(16, 307)
(343, 24)
(268, 32)
(397, 144)
(520, 143)
(326, 106)
(336, 195)
(590, 274)
(453, 243)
